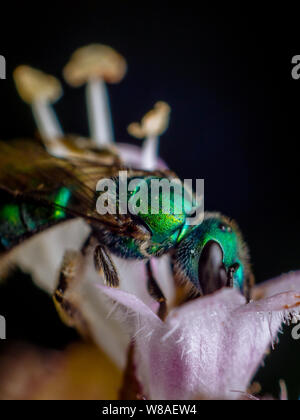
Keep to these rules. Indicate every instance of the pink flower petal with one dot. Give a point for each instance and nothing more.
(131, 155)
(193, 358)
(284, 283)
(131, 310)
(208, 348)
(280, 303)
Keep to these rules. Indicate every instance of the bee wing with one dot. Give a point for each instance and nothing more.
(30, 176)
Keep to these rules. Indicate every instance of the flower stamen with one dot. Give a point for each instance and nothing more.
(152, 125)
(94, 65)
(40, 91)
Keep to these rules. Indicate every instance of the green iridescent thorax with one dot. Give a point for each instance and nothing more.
(164, 215)
(164, 211)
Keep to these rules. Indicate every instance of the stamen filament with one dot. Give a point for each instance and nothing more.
(150, 153)
(99, 114)
(46, 120)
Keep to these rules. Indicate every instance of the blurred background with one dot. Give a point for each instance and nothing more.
(234, 122)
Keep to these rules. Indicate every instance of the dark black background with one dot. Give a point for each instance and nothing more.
(235, 112)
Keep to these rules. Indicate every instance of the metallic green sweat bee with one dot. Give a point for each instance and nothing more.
(39, 191)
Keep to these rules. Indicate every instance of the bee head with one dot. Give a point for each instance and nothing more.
(213, 255)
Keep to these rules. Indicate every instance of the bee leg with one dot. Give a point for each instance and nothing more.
(249, 283)
(156, 292)
(67, 292)
(232, 269)
(104, 263)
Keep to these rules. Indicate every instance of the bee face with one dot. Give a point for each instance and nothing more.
(213, 255)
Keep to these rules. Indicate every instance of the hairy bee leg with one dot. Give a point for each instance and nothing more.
(249, 283)
(103, 262)
(232, 269)
(65, 295)
(156, 292)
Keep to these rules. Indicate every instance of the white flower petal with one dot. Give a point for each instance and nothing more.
(42, 255)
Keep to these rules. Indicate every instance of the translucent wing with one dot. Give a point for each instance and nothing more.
(38, 190)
